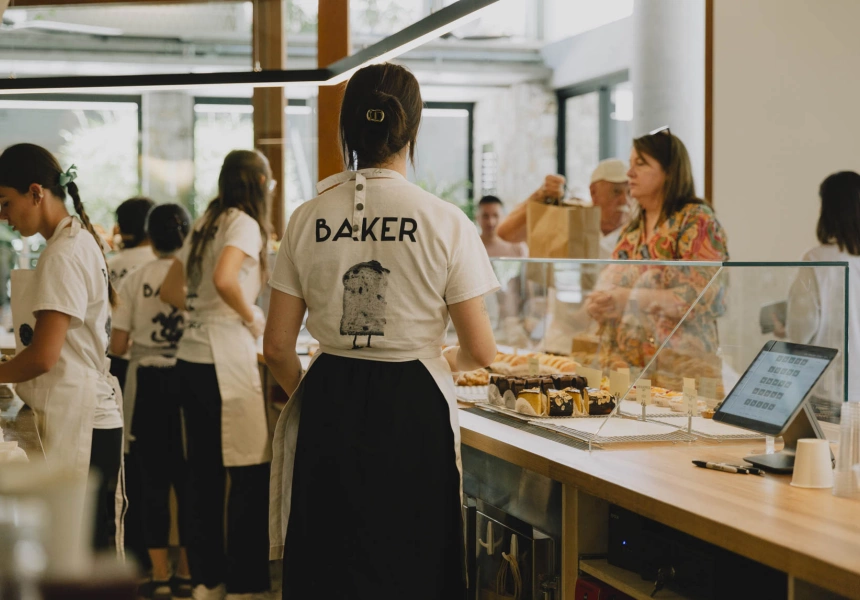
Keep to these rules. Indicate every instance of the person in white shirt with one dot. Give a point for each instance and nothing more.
(135, 248)
(216, 277)
(133, 251)
(815, 292)
(608, 191)
(152, 417)
(380, 265)
(490, 213)
(62, 326)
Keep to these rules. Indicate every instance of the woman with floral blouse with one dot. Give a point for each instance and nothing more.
(638, 306)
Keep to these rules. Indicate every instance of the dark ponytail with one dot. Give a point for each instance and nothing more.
(131, 220)
(167, 226)
(380, 115)
(72, 188)
(22, 165)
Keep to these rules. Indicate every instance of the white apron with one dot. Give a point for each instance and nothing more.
(62, 399)
(287, 428)
(244, 428)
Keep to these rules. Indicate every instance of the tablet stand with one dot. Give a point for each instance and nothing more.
(804, 425)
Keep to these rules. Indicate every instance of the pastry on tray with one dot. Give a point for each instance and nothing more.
(472, 378)
(532, 402)
(561, 403)
(580, 408)
(600, 402)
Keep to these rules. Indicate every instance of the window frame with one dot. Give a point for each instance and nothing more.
(603, 86)
(130, 98)
(470, 108)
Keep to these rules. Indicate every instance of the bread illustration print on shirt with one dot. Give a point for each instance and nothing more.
(364, 305)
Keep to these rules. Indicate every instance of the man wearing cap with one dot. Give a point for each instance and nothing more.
(608, 191)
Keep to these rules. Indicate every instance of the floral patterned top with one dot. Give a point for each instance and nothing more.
(691, 234)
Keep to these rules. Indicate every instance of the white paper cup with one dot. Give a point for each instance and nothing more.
(812, 464)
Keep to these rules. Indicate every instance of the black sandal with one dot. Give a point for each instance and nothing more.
(161, 590)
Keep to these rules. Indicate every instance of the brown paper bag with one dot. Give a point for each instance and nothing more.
(563, 231)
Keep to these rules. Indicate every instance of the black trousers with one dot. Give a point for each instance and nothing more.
(375, 503)
(240, 559)
(159, 454)
(105, 455)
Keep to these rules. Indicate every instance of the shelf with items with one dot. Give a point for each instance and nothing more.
(624, 581)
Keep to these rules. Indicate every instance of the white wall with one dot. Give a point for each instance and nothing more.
(668, 73)
(786, 97)
(592, 54)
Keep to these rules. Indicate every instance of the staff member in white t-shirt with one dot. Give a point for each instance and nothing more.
(816, 291)
(62, 322)
(222, 261)
(135, 248)
(134, 251)
(152, 418)
(370, 478)
(608, 191)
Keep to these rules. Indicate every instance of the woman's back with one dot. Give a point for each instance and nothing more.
(814, 320)
(380, 291)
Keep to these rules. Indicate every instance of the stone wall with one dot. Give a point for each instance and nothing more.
(520, 123)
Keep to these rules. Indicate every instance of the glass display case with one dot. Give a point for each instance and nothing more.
(659, 344)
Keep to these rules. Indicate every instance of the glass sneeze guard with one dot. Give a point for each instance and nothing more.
(665, 340)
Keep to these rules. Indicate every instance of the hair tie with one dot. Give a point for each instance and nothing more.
(374, 115)
(69, 176)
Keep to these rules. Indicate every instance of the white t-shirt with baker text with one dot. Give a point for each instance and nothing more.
(377, 262)
(151, 322)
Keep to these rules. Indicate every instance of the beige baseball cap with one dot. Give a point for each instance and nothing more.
(612, 170)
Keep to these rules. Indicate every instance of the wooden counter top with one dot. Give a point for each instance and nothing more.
(808, 533)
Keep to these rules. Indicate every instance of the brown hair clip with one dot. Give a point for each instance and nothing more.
(375, 115)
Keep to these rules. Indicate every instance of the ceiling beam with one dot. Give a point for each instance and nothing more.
(334, 73)
(55, 3)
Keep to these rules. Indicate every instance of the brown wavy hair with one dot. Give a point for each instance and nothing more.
(394, 91)
(22, 165)
(679, 189)
(242, 184)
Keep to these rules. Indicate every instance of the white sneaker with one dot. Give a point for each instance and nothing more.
(201, 592)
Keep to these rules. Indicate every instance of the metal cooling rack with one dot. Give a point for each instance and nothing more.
(674, 436)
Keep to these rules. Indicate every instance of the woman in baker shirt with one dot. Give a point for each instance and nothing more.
(365, 479)
(216, 277)
(152, 417)
(134, 250)
(62, 325)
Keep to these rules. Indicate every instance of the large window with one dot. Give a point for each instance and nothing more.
(443, 154)
(222, 125)
(593, 124)
(100, 135)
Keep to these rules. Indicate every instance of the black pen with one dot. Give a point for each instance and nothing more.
(750, 470)
(719, 467)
